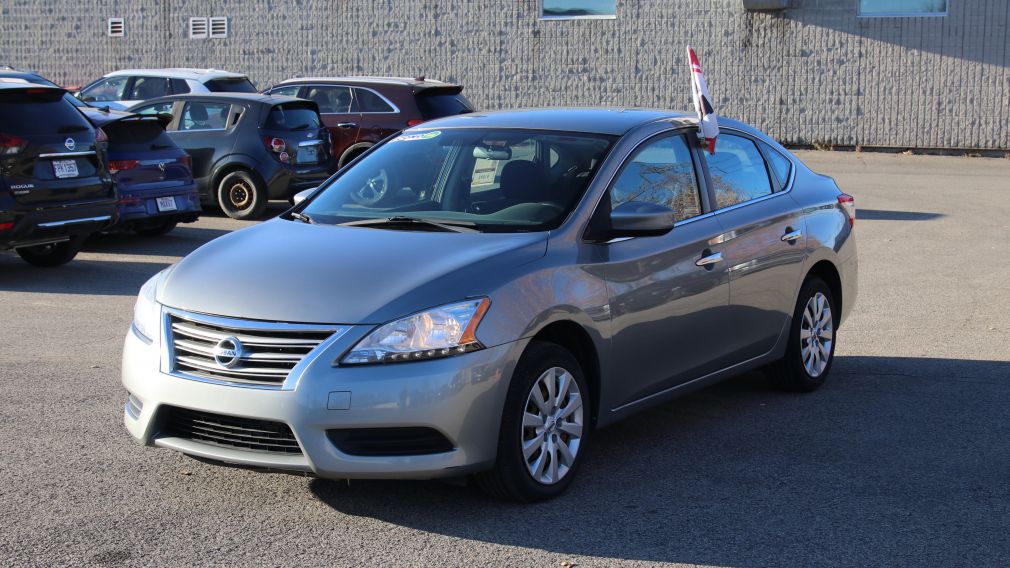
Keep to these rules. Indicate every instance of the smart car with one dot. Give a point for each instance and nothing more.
(480, 294)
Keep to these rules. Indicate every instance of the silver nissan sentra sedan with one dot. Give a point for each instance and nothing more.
(479, 294)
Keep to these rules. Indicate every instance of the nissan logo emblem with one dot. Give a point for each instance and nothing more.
(70, 144)
(228, 352)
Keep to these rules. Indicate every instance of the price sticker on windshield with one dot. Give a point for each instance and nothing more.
(421, 136)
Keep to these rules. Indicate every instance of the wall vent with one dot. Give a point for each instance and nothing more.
(198, 28)
(218, 28)
(116, 28)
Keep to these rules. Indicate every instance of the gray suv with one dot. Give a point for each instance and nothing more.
(480, 294)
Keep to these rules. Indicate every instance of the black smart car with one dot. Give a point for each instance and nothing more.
(54, 187)
(248, 148)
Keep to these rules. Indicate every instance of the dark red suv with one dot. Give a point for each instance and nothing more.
(360, 111)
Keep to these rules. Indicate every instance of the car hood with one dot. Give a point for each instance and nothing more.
(294, 272)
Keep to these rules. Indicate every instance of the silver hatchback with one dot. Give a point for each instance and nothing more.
(478, 295)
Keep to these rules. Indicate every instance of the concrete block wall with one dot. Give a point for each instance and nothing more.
(815, 73)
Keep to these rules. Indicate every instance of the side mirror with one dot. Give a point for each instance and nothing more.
(302, 195)
(640, 219)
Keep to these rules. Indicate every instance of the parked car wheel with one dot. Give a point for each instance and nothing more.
(53, 254)
(545, 427)
(811, 345)
(157, 230)
(241, 196)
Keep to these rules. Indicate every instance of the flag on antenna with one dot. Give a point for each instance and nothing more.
(708, 124)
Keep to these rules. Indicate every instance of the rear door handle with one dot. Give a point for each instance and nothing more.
(792, 236)
(708, 261)
(347, 125)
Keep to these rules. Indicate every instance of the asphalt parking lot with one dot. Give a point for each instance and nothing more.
(902, 459)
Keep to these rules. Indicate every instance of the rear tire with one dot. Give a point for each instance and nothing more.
(811, 348)
(55, 254)
(162, 228)
(241, 196)
(547, 411)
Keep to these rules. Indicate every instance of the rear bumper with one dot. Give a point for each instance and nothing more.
(56, 224)
(136, 208)
(286, 180)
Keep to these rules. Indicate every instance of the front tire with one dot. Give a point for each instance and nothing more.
(811, 349)
(54, 254)
(545, 427)
(241, 196)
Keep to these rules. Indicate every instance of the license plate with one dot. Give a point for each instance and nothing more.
(166, 204)
(308, 155)
(65, 168)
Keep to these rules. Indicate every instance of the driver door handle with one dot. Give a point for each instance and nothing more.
(707, 261)
(792, 236)
(347, 125)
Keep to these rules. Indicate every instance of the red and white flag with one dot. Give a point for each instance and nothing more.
(708, 124)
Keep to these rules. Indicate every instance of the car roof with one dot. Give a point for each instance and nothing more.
(372, 80)
(201, 75)
(230, 97)
(610, 121)
(18, 83)
(29, 76)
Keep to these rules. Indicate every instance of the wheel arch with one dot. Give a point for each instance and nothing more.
(574, 337)
(229, 165)
(826, 271)
(353, 151)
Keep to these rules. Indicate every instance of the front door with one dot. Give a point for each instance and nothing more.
(669, 295)
(203, 130)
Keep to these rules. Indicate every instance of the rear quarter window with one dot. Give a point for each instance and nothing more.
(237, 85)
(781, 166)
(292, 116)
(25, 112)
(436, 105)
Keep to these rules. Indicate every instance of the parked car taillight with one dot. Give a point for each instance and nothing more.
(848, 204)
(116, 166)
(187, 161)
(414, 122)
(277, 146)
(10, 144)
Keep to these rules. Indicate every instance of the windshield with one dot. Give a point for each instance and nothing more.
(230, 85)
(493, 180)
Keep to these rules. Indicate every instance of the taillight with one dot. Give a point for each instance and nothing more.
(277, 146)
(414, 122)
(10, 144)
(6, 226)
(116, 166)
(848, 204)
(187, 161)
(101, 136)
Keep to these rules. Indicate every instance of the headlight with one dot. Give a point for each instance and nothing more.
(431, 334)
(147, 311)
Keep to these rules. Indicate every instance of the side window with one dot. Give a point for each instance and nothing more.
(370, 102)
(331, 100)
(286, 91)
(204, 116)
(160, 108)
(738, 171)
(662, 173)
(780, 165)
(180, 87)
(110, 89)
(145, 88)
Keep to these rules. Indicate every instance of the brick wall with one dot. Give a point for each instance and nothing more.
(812, 74)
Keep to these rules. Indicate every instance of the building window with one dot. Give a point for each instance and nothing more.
(902, 8)
(571, 9)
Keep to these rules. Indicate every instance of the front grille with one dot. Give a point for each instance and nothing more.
(265, 355)
(389, 441)
(228, 431)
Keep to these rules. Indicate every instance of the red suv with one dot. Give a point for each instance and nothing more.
(360, 111)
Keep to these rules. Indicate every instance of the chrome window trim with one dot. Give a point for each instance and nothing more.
(396, 109)
(168, 347)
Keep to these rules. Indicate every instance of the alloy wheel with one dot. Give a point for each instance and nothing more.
(816, 335)
(240, 195)
(553, 421)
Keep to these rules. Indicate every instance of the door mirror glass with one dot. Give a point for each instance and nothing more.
(303, 195)
(640, 219)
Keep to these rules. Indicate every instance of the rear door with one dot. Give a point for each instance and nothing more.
(765, 243)
(204, 129)
(379, 116)
(47, 149)
(336, 107)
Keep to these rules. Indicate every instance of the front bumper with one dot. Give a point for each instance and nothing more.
(461, 397)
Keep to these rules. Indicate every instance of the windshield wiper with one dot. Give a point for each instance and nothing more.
(302, 217)
(447, 226)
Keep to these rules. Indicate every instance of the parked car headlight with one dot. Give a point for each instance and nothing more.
(147, 310)
(431, 334)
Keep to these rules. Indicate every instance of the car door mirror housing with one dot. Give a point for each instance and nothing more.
(640, 219)
(303, 195)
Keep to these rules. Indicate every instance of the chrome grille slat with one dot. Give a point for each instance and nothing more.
(268, 351)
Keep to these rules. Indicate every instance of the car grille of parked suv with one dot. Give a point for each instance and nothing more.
(228, 431)
(241, 352)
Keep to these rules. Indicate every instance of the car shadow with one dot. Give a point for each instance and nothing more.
(80, 276)
(180, 242)
(892, 462)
